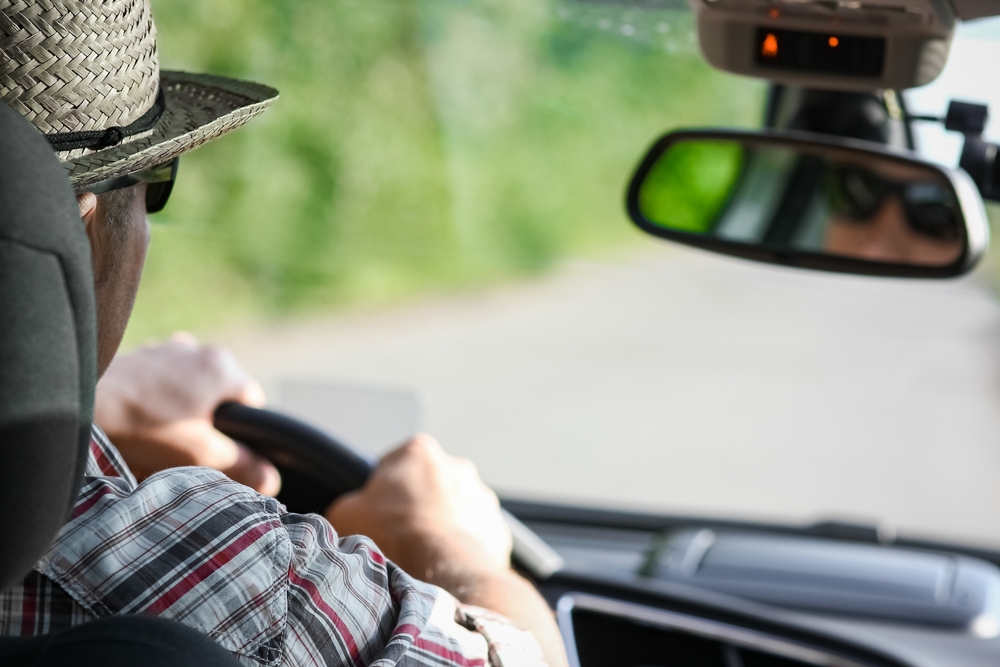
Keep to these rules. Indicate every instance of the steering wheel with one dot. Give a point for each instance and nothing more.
(316, 468)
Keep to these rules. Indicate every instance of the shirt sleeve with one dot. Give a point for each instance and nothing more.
(391, 618)
(276, 589)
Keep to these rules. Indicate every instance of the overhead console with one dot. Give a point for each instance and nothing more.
(836, 44)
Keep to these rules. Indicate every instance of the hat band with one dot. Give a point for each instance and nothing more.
(112, 136)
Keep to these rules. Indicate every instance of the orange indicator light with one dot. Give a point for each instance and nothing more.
(833, 42)
(769, 49)
(774, 12)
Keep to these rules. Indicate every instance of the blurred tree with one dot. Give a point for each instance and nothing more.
(417, 145)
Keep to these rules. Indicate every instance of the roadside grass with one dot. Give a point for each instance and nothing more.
(418, 146)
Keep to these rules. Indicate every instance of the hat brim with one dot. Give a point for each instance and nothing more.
(198, 108)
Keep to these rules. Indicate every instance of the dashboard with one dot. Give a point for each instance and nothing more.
(656, 591)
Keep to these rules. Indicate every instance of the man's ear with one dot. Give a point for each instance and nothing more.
(88, 213)
(88, 207)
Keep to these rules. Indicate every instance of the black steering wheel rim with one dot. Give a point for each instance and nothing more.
(315, 468)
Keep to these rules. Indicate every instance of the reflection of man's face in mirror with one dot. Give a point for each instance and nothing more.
(892, 213)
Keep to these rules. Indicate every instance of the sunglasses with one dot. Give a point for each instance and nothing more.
(857, 194)
(159, 182)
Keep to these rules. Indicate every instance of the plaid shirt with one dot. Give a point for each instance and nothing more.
(273, 588)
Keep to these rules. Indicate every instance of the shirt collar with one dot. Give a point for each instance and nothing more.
(103, 460)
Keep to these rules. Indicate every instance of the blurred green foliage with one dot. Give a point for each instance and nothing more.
(418, 146)
(687, 187)
(989, 268)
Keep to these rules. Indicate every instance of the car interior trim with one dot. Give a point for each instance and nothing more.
(729, 634)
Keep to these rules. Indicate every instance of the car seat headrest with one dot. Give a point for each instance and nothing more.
(48, 346)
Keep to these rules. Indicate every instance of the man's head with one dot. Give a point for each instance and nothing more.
(86, 74)
(892, 213)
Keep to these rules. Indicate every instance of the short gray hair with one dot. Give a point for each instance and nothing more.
(116, 205)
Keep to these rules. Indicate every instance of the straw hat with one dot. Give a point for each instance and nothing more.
(85, 73)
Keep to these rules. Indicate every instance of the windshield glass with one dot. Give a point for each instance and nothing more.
(427, 230)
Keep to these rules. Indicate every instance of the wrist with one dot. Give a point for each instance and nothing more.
(475, 586)
(456, 562)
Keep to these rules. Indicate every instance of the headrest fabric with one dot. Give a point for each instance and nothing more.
(48, 346)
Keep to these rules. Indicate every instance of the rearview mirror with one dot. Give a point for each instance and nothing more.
(806, 200)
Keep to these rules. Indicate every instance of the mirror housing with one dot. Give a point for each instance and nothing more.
(705, 187)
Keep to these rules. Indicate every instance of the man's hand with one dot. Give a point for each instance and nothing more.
(427, 511)
(156, 406)
(431, 514)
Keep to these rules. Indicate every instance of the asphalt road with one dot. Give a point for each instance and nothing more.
(682, 382)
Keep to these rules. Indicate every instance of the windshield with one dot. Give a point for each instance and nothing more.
(427, 230)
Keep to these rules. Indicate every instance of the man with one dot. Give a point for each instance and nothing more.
(891, 213)
(189, 543)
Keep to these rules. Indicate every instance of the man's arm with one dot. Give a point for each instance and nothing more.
(429, 512)
(431, 515)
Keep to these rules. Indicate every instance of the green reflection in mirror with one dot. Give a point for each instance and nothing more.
(689, 185)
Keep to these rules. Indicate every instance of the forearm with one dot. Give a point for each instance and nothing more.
(517, 599)
(507, 593)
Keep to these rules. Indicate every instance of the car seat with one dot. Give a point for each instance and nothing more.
(48, 372)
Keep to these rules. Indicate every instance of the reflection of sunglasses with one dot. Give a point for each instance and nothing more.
(857, 194)
(159, 182)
